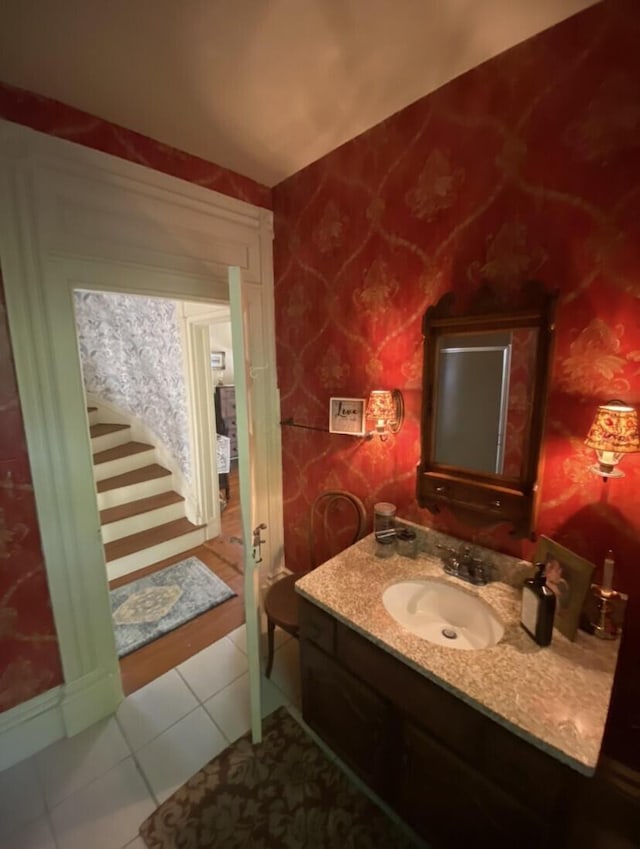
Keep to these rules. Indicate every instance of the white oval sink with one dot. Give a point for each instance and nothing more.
(443, 614)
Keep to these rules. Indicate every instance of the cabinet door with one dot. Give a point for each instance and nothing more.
(451, 805)
(352, 719)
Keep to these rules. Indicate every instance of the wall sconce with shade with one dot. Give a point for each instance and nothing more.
(613, 434)
(386, 408)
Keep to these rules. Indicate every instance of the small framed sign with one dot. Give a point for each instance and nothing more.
(346, 415)
(217, 360)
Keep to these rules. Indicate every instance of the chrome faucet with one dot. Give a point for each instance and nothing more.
(462, 564)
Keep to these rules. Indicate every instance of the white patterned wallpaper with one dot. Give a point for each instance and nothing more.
(132, 357)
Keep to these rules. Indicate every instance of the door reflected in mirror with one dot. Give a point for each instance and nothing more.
(487, 379)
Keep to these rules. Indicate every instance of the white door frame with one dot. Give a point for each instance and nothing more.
(70, 216)
(195, 327)
(199, 386)
(248, 373)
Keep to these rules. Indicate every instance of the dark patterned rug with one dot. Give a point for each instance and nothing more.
(147, 608)
(282, 794)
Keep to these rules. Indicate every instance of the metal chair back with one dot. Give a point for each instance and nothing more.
(337, 519)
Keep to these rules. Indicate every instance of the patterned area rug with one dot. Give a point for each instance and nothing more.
(150, 607)
(282, 794)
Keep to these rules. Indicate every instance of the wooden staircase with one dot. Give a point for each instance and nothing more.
(142, 517)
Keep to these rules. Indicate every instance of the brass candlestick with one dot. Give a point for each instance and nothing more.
(604, 627)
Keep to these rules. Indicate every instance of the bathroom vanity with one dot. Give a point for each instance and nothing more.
(470, 747)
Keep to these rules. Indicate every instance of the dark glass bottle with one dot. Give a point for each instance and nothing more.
(538, 607)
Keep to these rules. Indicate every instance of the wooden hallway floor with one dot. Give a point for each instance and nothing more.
(223, 555)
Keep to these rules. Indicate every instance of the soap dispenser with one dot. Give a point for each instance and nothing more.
(538, 607)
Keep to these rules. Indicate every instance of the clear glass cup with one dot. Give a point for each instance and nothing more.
(385, 547)
(384, 520)
(407, 542)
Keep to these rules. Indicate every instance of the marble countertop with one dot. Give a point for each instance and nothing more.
(556, 697)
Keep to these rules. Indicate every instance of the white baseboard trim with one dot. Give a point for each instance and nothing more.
(29, 727)
(274, 577)
(212, 529)
(90, 699)
(60, 712)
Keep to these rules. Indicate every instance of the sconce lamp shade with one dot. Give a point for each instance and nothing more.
(386, 407)
(614, 432)
(380, 405)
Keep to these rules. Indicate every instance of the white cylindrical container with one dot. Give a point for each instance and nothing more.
(607, 573)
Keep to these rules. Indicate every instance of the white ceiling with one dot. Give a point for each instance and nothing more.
(263, 87)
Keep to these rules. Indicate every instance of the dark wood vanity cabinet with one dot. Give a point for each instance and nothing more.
(351, 717)
(451, 803)
(452, 773)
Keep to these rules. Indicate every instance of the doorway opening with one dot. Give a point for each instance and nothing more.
(135, 362)
(77, 218)
(224, 556)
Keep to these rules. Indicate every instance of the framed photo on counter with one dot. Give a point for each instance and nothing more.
(569, 578)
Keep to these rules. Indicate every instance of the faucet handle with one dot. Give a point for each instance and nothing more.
(481, 571)
(468, 555)
(462, 563)
(450, 563)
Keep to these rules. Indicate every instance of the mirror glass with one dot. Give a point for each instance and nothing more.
(483, 395)
(484, 389)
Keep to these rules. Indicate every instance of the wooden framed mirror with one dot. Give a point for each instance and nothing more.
(484, 393)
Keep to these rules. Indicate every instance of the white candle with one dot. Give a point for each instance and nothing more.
(607, 576)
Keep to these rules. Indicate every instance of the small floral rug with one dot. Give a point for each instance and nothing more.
(284, 793)
(147, 608)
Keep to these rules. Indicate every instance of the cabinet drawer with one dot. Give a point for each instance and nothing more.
(227, 395)
(317, 626)
(506, 504)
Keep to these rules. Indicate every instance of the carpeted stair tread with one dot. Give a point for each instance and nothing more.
(142, 505)
(146, 539)
(127, 449)
(91, 409)
(146, 473)
(105, 428)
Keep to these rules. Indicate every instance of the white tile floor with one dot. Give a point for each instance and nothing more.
(95, 789)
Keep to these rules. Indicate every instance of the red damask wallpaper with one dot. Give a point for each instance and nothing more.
(526, 167)
(57, 119)
(29, 659)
